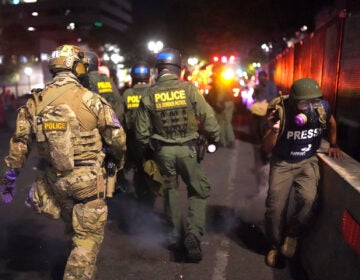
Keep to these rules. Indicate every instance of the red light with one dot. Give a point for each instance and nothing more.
(215, 58)
(351, 231)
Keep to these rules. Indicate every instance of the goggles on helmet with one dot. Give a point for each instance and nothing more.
(303, 105)
(141, 70)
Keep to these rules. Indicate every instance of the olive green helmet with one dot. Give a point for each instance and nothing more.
(305, 88)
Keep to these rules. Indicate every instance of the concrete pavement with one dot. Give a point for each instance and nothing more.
(33, 247)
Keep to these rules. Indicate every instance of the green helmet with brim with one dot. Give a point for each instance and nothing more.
(305, 88)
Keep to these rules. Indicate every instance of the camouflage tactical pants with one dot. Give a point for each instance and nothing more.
(88, 221)
(84, 222)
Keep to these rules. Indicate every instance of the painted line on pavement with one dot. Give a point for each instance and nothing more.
(222, 254)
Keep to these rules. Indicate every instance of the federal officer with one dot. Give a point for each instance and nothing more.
(140, 75)
(102, 84)
(295, 127)
(168, 120)
(68, 122)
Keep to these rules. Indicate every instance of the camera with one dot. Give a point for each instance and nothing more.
(276, 115)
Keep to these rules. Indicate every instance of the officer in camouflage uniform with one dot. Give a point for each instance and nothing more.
(295, 127)
(167, 121)
(140, 74)
(71, 126)
(102, 84)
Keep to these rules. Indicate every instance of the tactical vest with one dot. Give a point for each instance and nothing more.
(100, 83)
(174, 116)
(132, 99)
(298, 143)
(58, 133)
(105, 87)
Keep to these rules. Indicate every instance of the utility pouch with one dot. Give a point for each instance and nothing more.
(111, 171)
(110, 185)
(154, 145)
(40, 136)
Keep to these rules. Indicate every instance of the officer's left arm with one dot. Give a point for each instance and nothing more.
(111, 130)
(119, 105)
(334, 150)
(143, 129)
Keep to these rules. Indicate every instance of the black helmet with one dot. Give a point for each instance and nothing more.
(94, 61)
(168, 57)
(140, 72)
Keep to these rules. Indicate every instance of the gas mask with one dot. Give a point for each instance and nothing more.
(307, 111)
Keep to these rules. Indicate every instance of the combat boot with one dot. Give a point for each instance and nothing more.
(274, 259)
(193, 248)
(271, 257)
(288, 249)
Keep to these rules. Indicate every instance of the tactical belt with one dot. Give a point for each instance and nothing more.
(187, 143)
(91, 198)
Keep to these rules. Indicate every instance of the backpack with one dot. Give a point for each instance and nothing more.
(278, 104)
(56, 128)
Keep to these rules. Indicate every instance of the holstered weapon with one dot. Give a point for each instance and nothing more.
(201, 147)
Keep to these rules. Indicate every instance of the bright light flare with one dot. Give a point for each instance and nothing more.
(232, 59)
(236, 92)
(116, 58)
(28, 71)
(228, 74)
(224, 59)
(247, 97)
(155, 47)
(304, 28)
(193, 61)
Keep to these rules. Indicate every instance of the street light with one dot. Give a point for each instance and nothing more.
(193, 61)
(155, 47)
(28, 71)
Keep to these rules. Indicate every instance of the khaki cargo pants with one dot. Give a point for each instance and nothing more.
(284, 176)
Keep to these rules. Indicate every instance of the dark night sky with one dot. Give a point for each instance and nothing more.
(208, 26)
